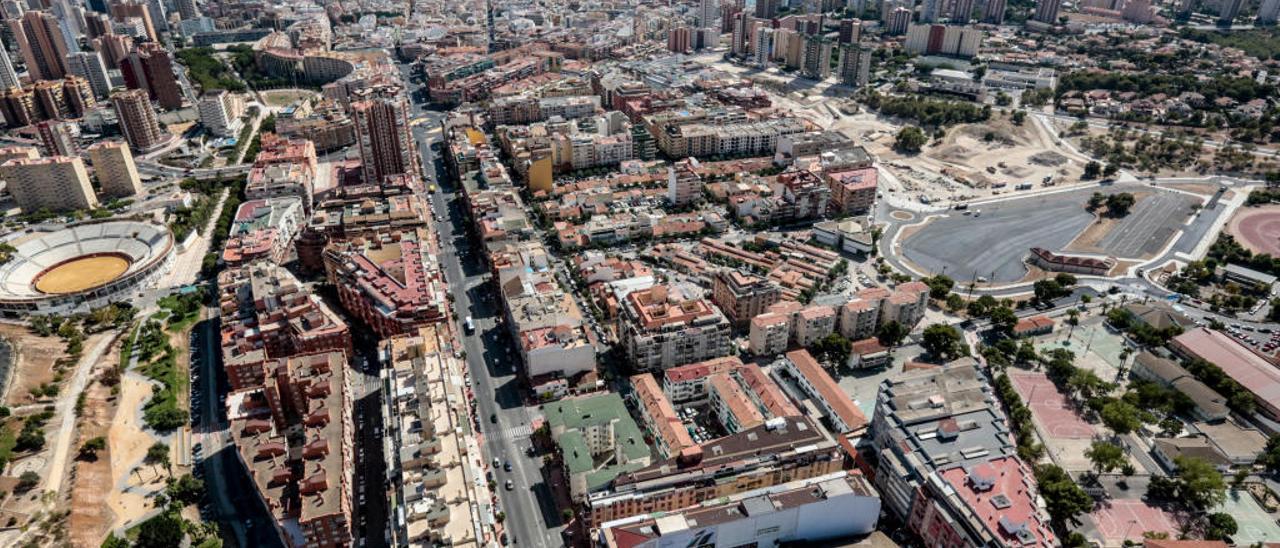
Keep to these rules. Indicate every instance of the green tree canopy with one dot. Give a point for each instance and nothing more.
(942, 341)
(1105, 456)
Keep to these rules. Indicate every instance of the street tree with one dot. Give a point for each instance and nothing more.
(1121, 417)
(891, 333)
(1003, 320)
(1105, 456)
(1064, 499)
(942, 341)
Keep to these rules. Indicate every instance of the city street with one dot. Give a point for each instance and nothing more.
(235, 501)
(504, 421)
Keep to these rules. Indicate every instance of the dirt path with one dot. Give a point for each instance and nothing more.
(65, 408)
(91, 518)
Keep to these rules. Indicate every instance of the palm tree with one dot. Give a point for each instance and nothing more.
(158, 453)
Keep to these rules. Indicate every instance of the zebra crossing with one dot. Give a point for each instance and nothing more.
(516, 432)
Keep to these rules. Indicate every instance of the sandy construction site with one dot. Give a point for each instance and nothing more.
(980, 160)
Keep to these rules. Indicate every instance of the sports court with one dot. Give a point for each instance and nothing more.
(1254, 524)
(1117, 520)
(1065, 435)
(1096, 347)
(1050, 407)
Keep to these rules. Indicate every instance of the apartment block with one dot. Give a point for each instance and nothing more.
(428, 472)
(853, 192)
(545, 321)
(594, 429)
(661, 328)
(59, 183)
(684, 185)
(387, 147)
(742, 296)
(669, 434)
(114, 167)
(947, 465)
(812, 510)
(688, 383)
(956, 41)
(263, 230)
(873, 307)
(770, 334)
(216, 113)
(392, 282)
(267, 314)
(906, 305)
(823, 392)
(854, 65)
(812, 324)
(758, 458)
(730, 404)
(295, 436)
(138, 121)
(859, 318)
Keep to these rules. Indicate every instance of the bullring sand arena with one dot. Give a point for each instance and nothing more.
(81, 274)
(82, 266)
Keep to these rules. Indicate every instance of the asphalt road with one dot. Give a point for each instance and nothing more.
(235, 500)
(491, 358)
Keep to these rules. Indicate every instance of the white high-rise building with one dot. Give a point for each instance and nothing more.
(8, 76)
(216, 113)
(1268, 12)
(708, 12)
(763, 47)
(89, 65)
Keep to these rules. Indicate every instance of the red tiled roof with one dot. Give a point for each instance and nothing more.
(827, 388)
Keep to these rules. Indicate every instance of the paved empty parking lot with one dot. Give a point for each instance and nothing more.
(994, 244)
(1147, 229)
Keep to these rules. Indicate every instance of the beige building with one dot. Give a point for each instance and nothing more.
(743, 296)
(113, 164)
(906, 305)
(138, 120)
(770, 333)
(813, 324)
(662, 328)
(858, 318)
(59, 183)
(684, 186)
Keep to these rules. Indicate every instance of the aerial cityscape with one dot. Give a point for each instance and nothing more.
(638, 274)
